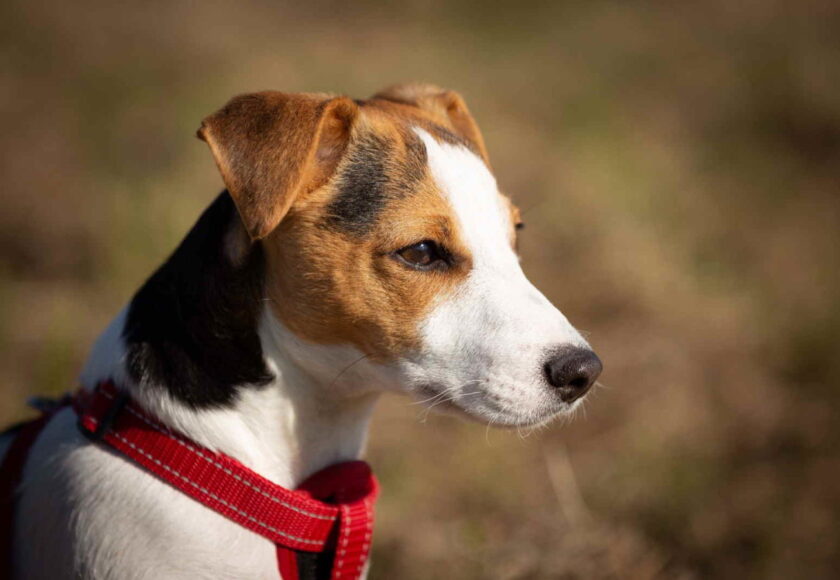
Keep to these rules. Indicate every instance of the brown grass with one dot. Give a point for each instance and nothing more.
(678, 166)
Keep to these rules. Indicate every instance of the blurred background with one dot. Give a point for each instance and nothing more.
(678, 165)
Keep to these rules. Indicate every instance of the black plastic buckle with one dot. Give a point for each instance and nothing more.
(121, 399)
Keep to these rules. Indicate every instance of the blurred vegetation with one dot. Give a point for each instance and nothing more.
(679, 169)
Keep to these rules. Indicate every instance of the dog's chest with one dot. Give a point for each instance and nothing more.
(124, 523)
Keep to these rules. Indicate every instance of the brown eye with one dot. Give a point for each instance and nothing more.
(423, 256)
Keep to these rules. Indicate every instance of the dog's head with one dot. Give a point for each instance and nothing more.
(386, 239)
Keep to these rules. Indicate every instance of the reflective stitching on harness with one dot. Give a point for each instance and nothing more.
(210, 460)
(345, 535)
(368, 534)
(214, 496)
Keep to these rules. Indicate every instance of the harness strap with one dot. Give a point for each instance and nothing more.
(331, 512)
(11, 475)
(346, 485)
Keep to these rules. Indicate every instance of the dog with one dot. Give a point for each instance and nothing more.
(360, 247)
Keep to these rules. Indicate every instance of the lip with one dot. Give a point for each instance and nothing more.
(490, 413)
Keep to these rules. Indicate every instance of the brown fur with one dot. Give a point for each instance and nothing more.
(334, 286)
(515, 220)
(270, 147)
(442, 107)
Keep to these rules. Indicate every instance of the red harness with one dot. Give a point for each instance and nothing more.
(331, 512)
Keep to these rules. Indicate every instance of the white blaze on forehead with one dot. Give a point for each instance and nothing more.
(472, 192)
(486, 344)
(497, 307)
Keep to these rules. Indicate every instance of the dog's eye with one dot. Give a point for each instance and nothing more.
(423, 256)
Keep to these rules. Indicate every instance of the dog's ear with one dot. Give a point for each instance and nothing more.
(271, 147)
(446, 107)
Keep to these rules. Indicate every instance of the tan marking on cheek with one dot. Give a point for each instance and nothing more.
(331, 288)
(515, 218)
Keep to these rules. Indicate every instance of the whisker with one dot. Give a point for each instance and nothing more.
(528, 432)
(451, 398)
(347, 368)
(487, 432)
(445, 391)
(432, 398)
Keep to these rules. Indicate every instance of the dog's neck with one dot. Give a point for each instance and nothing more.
(199, 349)
(285, 430)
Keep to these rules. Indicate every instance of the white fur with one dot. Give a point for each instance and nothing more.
(484, 347)
(86, 512)
(98, 515)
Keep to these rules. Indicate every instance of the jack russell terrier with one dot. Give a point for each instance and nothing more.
(360, 247)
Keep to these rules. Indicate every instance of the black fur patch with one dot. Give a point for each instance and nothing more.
(191, 328)
(374, 173)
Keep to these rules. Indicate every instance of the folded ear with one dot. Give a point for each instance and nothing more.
(446, 107)
(271, 147)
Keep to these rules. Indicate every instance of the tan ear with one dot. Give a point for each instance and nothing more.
(271, 147)
(446, 107)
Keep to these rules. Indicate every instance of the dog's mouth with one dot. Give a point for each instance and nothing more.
(486, 407)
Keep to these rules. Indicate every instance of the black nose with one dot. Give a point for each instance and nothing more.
(572, 371)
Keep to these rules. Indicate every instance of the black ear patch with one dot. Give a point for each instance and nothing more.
(192, 327)
(377, 170)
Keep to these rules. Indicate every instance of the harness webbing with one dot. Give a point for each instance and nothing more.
(331, 512)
